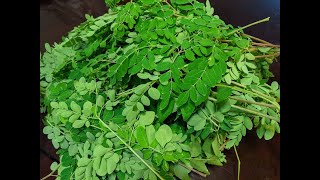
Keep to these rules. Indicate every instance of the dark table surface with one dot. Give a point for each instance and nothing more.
(260, 159)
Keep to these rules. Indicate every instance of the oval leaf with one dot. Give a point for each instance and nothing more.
(163, 135)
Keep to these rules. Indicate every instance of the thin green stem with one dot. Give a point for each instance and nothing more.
(132, 150)
(250, 102)
(253, 102)
(243, 86)
(248, 110)
(238, 84)
(120, 149)
(257, 39)
(165, 1)
(131, 136)
(252, 93)
(50, 174)
(197, 159)
(155, 150)
(256, 44)
(209, 118)
(125, 93)
(265, 45)
(261, 42)
(239, 163)
(223, 145)
(131, 91)
(269, 55)
(255, 112)
(193, 170)
(55, 128)
(97, 127)
(249, 25)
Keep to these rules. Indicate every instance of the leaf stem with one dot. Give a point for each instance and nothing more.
(174, 10)
(193, 170)
(155, 150)
(269, 55)
(267, 45)
(249, 25)
(239, 162)
(253, 102)
(223, 145)
(250, 102)
(255, 112)
(248, 110)
(254, 92)
(255, 43)
(259, 93)
(130, 148)
(50, 174)
(97, 127)
(131, 136)
(55, 127)
(120, 149)
(257, 39)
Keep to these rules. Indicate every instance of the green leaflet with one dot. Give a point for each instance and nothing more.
(112, 163)
(269, 133)
(209, 9)
(162, 66)
(141, 136)
(181, 172)
(182, 98)
(150, 133)
(214, 160)
(78, 123)
(223, 93)
(163, 135)
(248, 123)
(164, 113)
(187, 110)
(140, 89)
(195, 148)
(100, 150)
(147, 118)
(145, 100)
(216, 147)
(189, 55)
(207, 147)
(249, 56)
(75, 107)
(197, 121)
(199, 165)
(154, 93)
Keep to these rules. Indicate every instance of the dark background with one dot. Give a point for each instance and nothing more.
(260, 159)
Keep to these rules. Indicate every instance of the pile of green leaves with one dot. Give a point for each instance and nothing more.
(154, 90)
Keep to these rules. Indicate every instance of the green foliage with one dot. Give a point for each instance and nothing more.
(151, 90)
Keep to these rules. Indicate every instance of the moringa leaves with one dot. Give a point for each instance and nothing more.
(148, 89)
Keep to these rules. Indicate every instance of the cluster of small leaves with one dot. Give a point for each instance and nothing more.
(153, 90)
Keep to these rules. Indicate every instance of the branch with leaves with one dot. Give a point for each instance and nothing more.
(155, 90)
